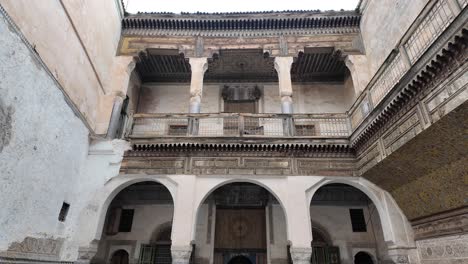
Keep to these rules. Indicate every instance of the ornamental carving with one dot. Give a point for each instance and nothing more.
(241, 92)
(301, 255)
(452, 225)
(180, 256)
(36, 247)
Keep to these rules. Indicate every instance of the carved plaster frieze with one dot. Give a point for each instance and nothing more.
(300, 255)
(35, 248)
(444, 249)
(457, 224)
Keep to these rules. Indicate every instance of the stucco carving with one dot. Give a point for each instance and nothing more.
(443, 249)
(452, 225)
(180, 255)
(300, 255)
(36, 248)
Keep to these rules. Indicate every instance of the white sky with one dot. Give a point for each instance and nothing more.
(177, 6)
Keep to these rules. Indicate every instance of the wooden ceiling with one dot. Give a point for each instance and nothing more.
(241, 66)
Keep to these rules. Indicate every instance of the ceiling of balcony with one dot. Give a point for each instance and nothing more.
(241, 66)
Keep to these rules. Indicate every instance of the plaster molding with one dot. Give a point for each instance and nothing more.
(181, 254)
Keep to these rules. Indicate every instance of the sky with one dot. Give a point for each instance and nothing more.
(177, 6)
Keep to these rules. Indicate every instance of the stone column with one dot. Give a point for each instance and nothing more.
(198, 66)
(301, 255)
(183, 220)
(283, 67)
(115, 117)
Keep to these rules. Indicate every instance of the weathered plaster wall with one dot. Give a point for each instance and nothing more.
(322, 98)
(46, 158)
(335, 220)
(147, 220)
(383, 24)
(307, 98)
(44, 147)
(164, 98)
(50, 27)
(278, 240)
(204, 234)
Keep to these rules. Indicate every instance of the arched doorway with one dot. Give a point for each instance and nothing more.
(239, 260)
(351, 220)
(240, 220)
(323, 251)
(132, 216)
(363, 258)
(119, 257)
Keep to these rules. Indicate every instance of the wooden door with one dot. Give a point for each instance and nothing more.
(120, 257)
(240, 229)
(244, 106)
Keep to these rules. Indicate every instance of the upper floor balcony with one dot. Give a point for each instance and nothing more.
(241, 125)
(247, 94)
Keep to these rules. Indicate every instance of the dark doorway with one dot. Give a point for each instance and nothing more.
(363, 258)
(120, 257)
(239, 260)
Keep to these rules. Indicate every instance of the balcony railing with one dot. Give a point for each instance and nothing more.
(240, 125)
(433, 20)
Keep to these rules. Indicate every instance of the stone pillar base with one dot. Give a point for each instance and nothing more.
(300, 255)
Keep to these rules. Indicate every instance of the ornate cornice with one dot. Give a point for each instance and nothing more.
(445, 224)
(444, 62)
(233, 25)
(256, 150)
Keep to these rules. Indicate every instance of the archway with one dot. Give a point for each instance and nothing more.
(239, 260)
(363, 258)
(132, 216)
(119, 257)
(351, 220)
(240, 219)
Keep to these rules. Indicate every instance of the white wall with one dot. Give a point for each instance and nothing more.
(278, 249)
(77, 40)
(43, 148)
(307, 98)
(204, 246)
(383, 24)
(322, 98)
(46, 156)
(337, 222)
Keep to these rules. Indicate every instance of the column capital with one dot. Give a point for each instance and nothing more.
(300, 255)
(283, 67)
(181, 254)
(283, 63)
(198, 64)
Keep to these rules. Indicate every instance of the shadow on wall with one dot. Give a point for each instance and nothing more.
(5, 125)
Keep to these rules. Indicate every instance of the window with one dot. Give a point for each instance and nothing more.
(358, 221)
(126, 220)
(63, 212)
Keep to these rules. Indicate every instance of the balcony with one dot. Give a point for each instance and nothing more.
(238, 126)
